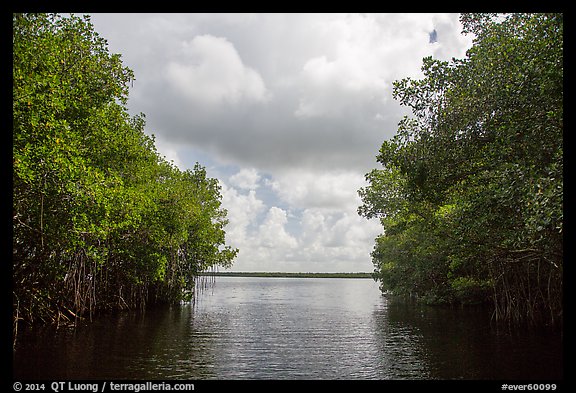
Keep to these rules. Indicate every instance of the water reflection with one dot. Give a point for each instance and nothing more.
(462, 343)
(258, 328)
(401, 345)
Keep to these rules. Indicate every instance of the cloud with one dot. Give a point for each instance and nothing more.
(247, 178)
(289, 110)
(333, 190)
(211, 72)
(310, 235)
(449, 41)
(275, 91)
(257, 230)
(244, 212)
(357, 74)
(272, 232)
(169, 151)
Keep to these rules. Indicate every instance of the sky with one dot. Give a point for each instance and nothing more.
(287, 111)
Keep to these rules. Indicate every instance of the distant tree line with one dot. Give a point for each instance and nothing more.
(470, 191)
(100, 220)
(289, 274)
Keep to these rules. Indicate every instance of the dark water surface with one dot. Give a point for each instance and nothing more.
(290, 328)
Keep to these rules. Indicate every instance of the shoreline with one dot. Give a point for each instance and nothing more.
(288, 274)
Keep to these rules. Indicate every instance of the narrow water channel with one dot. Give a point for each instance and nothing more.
(290, 328)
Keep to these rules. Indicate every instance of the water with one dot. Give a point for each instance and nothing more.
(289, 328)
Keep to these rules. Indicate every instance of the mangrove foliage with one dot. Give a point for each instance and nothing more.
(100, 220)
(470, 189)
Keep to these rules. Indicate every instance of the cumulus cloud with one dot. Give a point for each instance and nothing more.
(362, 66)
(319, 231)
(246, 178)
(335, 190)
(288, 109)
(244, 211)
(211, 72)
(272, 232)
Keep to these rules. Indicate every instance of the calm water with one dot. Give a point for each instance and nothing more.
(290, 328)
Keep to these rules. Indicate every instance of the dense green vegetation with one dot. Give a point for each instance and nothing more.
(470, 193)
(100, 220)
(289, 275)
